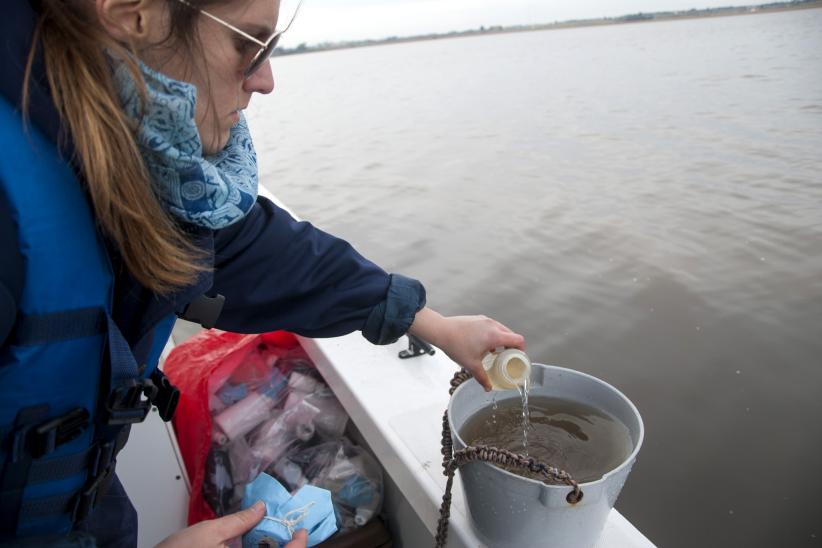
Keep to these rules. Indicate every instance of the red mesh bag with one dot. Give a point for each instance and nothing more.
(209, 357)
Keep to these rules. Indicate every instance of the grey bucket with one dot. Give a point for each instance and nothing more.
(509, 510)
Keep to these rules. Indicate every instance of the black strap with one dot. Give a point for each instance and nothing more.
(39, 329)
(127, 400)
(42, 471)
(79, 505)
(33, 436)
(16, 469)
(100, 460)
(167, 397)
(47, 506)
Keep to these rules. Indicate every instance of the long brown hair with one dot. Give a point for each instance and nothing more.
(75, 51)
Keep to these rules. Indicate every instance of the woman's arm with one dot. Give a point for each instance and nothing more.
(279, 273)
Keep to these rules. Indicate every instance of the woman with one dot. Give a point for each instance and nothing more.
(143, 100)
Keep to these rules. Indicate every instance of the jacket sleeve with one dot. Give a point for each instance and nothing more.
(279, 273)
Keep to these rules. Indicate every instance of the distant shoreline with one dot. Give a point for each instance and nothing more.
(621, 20)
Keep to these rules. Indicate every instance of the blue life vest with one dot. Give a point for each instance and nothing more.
(69, 384)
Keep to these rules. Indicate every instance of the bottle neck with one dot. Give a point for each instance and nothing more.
(514, 366)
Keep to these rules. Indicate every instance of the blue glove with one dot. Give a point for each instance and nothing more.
(309, 508)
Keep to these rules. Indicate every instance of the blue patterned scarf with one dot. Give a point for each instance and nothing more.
(213, 191)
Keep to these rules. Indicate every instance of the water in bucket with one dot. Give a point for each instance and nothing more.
(566, 407)
(572, 436)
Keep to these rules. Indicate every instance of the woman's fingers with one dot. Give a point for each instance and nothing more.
(299, 540)
(239, 523)
(481, 377)
(509, 339)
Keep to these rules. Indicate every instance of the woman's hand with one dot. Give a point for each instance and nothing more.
(218, 532)
(465, 339)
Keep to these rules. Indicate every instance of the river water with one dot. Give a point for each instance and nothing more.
(643, 202)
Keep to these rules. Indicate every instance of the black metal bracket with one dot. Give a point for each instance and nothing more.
(416, 347)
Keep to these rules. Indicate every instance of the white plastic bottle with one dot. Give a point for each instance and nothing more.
(507, 368)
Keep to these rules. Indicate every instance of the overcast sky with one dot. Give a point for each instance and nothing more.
(335, 20)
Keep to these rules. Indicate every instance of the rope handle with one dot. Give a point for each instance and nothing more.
(451, 460)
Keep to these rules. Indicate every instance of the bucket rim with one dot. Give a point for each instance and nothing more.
(627, 462)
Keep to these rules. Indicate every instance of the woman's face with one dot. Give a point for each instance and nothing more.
(217, 70)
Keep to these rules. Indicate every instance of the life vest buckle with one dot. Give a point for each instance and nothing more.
(130, 402)
(48, 436)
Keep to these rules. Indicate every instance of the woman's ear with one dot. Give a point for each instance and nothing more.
(139, 22)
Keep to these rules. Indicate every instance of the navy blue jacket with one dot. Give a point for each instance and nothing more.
(275, 272)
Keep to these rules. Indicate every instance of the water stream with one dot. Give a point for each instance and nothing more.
(526, 415)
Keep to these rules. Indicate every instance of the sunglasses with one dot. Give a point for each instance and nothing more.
(266, 47)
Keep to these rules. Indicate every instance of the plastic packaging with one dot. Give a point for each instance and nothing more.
(230, 394)
(507, 368)
(241, 418)
(244, 415)
(300, 420)
(302, 383)
(350, 473)
(254, 404)
(363, 516)
(218, 488)
(332, 419)
(290, 474)
(244, 466)
(269, 442)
